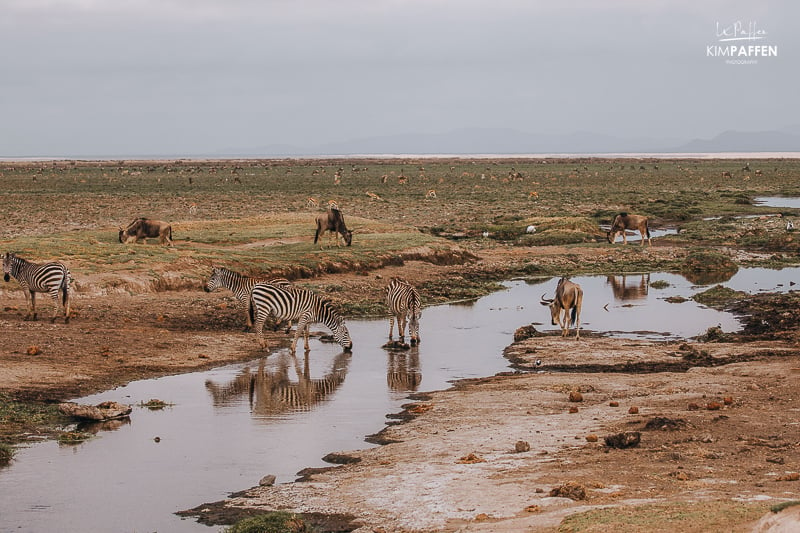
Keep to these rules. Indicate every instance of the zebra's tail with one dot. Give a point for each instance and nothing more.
(64, 288)
(251, 309)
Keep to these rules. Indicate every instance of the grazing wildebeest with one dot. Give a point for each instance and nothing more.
(566, 306)
(333, 221)
(624, 222)
(144, 228)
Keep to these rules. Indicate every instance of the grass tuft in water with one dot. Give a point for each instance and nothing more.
(276, 522)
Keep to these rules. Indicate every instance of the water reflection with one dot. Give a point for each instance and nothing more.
(708, 277)
(402, 370)
(272, 392)
(629, 286)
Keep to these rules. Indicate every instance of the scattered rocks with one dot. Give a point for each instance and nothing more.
(792, 476)
(571, 490)
(627, 439)
(471, 459)
(522, 446)
(101, 411)
(665, 424)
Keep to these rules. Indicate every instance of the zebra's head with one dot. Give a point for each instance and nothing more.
(8, 260)
(413, 324)
(214, 281)
(342, 335)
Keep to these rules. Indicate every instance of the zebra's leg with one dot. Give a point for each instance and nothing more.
(391, 327)
(54, 296)
(305, 338)
(258, 326)
(32, 310)
(66, 303)
(401, 328)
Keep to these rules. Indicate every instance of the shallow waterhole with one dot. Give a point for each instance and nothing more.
(228, 427)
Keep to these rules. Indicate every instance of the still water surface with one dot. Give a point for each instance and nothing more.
(230, 426)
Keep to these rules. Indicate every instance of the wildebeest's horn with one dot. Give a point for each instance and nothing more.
(545, 301)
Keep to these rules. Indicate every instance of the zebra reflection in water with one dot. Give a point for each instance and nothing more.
(271, 391)
(402, 371)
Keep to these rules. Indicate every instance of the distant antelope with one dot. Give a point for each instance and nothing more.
(402, 180)
(374, 196)
(726, 174)
(430, 194)
(312, 202)
(533, 195)
(193, 208)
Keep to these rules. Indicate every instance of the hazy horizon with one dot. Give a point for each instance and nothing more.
(117, 79)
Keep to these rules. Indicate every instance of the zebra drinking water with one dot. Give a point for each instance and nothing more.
(46, 277)
(298, 304)
(240, 285)
(404, 304)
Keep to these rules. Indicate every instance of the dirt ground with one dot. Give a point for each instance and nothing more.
(486, 454)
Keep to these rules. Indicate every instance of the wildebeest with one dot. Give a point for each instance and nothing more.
(566, 306)
(144, 228)
(333, 220)
(624, 222)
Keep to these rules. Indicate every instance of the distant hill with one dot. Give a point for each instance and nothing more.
(744, 141)
(511, 141)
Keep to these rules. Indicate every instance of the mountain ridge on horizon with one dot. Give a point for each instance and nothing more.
(509, 141)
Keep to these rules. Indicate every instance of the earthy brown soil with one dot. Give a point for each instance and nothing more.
(716, 420)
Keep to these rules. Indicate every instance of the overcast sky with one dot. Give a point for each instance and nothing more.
(182, 77)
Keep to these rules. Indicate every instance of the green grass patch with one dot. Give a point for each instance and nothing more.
(718, 296)
(275, 522)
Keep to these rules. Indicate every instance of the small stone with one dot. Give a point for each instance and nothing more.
(727, 400)
(628, 439)
(267, 481)
(575, 396)
(481, 517)
(571, 490)
(713, 406)
(591, 437)
(522, 446)
(573, 409)
(633, 410)
(693, 407)
(613, 404)
(793, 476)
(776, 460)
(533, 509)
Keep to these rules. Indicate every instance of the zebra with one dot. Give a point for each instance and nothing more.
(49, 277)
(404, 304)
(240, 285)
(298, 304)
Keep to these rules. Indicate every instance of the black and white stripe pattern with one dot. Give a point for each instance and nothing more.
(50, 277)
(298, 304)
(240, 285)
(404, 305)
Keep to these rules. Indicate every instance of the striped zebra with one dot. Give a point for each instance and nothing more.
(47, 277)
(298, 304)
(404, 304)
(240, 285)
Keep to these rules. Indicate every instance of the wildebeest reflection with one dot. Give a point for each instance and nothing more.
(627, 287)
(402, 371)
(271, 391)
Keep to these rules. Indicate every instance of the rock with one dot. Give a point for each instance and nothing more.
(591, 437)
(396, 345)
(613, 404)
(471, 459)
(666, 424)
(575, 396)
(522, 446)
(573, 409)
(693, 406)
(571, 490)
(267, 481)
(713, 406)
(101, 411)
(792, 476)
(633, 410)
(785, 520)
(628, 439)
(727, 400)
(525, 332)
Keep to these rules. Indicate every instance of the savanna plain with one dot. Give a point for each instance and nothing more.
(702, 431)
